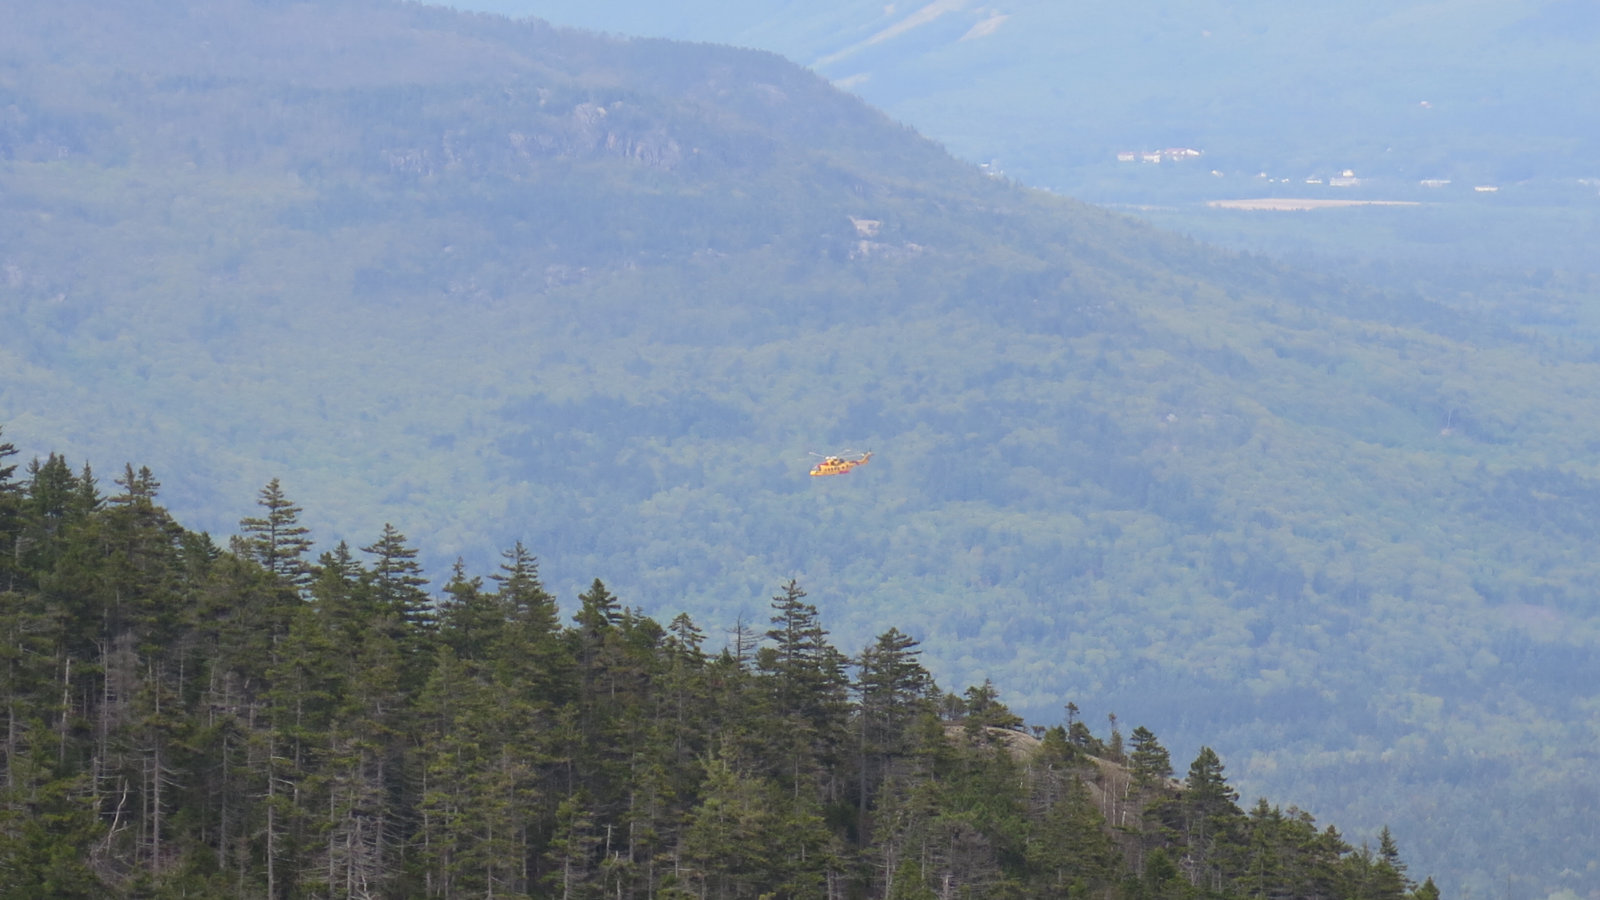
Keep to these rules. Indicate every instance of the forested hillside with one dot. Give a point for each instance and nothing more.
(1403, 88)
(491, 281)
(186, 721)
(1422, 100)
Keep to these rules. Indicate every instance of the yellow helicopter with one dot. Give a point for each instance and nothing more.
(838, 465)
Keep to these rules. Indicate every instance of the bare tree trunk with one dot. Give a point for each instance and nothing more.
(155, 809)
(272, 826)
(66, 704)
(223, 808)
(11, 723)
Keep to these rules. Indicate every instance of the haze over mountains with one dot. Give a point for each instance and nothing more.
(1421, 102)
(495, 281)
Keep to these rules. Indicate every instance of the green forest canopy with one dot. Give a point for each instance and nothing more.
(182, 720)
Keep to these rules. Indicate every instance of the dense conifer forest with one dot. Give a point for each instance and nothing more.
(188, 720)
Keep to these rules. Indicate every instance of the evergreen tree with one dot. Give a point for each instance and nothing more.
(1386, 876)
(48, 509)
(572, 858)
(1149, 763)
(893, 684)
(807, 685)
(1318, 859)
(397, 582)
(145, 571)
(470, 621)
(522, 594)
(341, 592)
(984, 709)
(894, 690)
(801, 655)
(1068, 850)
(687, 638)
(598, 612)
(473, 802)
(11, 497)
(1265, 874)
(365, 827)
(7, 470)
(1114, 750)
(305, 684)
(1389, 853)
(686, 706)
(395, 586)
(1161, 878)
(909, 882)
(1210, 820)
(277, 540)
(1207, 788)
(49, 832)
(599, 652)
(733, 838)
(533, 654)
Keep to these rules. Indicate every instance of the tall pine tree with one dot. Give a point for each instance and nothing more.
(276, 539)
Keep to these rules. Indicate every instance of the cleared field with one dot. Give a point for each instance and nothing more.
(1291, 203)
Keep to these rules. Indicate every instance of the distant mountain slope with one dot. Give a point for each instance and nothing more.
(492, 281)
(1421, 101)
(1426, 89)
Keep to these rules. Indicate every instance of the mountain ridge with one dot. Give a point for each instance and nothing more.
(1278, 102)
